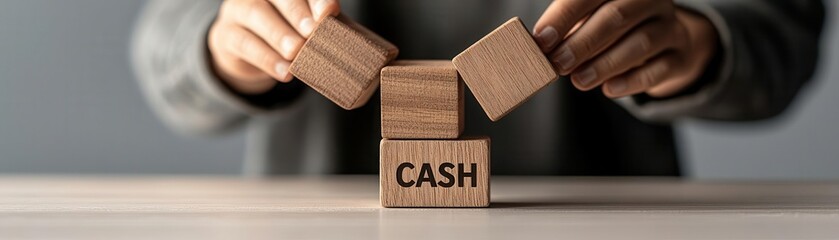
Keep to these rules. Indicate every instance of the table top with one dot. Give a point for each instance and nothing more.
(347, 207)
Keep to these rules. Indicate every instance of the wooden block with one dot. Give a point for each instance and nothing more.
(421, 99)
(504, 69)
(342, 60)
(434, 173)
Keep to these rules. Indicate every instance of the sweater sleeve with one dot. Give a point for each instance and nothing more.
(172, 64)
(768, 51)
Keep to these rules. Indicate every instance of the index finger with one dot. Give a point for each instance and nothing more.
(559, 18)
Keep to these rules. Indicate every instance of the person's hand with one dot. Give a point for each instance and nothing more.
(628, 46)
(252, 42)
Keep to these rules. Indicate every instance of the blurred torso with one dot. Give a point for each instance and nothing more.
(559, 131)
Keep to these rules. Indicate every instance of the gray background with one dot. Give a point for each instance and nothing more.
(69, 104)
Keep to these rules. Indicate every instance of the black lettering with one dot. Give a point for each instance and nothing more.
(462, 175)
(446, 174)
(426, 175)
(399, 170)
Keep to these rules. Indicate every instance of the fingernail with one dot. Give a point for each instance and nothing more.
(548, 37)
(617, 86)
(307, 25)
(320, 8)
(565, 59)
(289, 46)
(586, 76)
(282, 70)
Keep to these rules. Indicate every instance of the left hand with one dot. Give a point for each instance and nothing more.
(628, 46)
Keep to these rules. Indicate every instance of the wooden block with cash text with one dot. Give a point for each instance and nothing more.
(341, 60)
(435, 173)
(421, 99)
(504, 69)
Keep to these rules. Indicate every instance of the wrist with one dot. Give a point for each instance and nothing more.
(248, 87)
(253, 86)
(702, 35)
(701, 48)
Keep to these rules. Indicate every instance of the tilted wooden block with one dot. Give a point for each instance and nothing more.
(504, 69)
(435, 173)
(342, 60)
(421, 99)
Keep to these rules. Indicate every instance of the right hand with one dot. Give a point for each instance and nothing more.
(252, 42)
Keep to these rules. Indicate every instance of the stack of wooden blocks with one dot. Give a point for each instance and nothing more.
(425, 162)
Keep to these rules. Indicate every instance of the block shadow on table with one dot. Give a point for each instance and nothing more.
(665, 195)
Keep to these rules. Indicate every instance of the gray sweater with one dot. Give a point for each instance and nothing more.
(768, 51)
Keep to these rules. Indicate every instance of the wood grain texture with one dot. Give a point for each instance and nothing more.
(421, 99)
(504, 69)
(341, 60)
(460, 153)
(348, 207)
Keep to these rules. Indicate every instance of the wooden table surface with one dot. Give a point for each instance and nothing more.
(347, 207)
